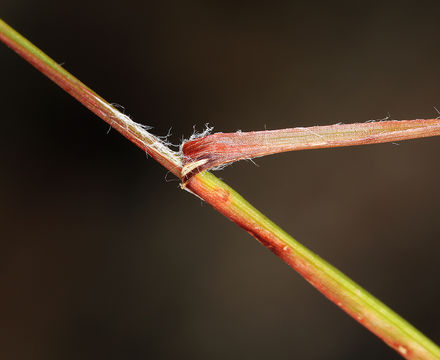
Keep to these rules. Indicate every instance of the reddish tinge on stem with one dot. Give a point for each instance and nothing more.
(223, 148)
(220, 149)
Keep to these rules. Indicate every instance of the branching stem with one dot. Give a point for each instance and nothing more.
(346, 294)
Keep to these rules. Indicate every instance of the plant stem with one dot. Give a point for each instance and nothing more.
(337, 287)
(214, 150)
(122, 123)
(349, 296)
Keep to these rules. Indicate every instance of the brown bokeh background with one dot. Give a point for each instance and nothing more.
(104, 257)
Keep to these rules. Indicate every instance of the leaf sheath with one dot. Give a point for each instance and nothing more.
(218, 149)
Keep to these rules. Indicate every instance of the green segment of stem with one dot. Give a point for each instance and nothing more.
(350, 297)
(344, 292)
(122, 123)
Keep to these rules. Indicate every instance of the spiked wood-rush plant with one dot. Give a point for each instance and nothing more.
(201, 154)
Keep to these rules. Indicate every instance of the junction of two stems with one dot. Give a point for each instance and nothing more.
(220, 149)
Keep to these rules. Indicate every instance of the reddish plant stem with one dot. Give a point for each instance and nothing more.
(123, 124)
(358, 303)
(342, 291)
(214, 150)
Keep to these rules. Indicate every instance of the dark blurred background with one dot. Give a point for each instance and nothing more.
(104, 257)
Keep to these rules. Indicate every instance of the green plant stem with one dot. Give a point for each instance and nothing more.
(337, 287)
(122, 123)
(346, 294)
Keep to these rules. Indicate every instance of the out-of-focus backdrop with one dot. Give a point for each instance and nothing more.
(104, 257)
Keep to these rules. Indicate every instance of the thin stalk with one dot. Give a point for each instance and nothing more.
(349, 296)
(136, 133)
(345, 293)
(218, 149)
